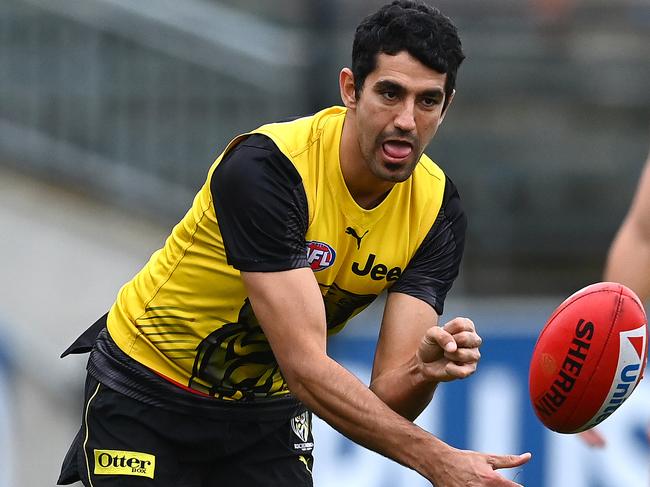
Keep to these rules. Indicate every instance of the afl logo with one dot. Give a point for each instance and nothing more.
(319, 255)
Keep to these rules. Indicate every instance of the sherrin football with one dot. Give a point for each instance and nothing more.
(589, 357)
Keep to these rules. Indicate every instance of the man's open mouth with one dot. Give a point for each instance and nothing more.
(397, 150)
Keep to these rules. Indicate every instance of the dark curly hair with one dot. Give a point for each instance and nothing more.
(412, 26)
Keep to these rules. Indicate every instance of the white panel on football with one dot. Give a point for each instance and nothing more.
(628, 373)
(495, 405)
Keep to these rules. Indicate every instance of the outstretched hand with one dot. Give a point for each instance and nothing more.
(450, 351)
(465, 468)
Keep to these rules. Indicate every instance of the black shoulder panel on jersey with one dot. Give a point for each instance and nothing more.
(261, 207)
(436, 263)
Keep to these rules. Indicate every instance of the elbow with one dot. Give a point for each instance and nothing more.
(382, 394)
(304, 373)
(376, 389)
(295, 379)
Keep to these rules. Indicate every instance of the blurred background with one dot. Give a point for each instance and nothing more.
(112, 111)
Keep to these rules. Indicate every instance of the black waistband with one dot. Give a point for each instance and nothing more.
(115, 369)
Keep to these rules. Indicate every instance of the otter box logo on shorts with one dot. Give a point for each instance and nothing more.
(117, 462)
(301, 426)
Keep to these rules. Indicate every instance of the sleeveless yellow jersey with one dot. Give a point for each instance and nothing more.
(276, 200)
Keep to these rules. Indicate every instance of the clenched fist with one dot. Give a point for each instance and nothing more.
(450, 351)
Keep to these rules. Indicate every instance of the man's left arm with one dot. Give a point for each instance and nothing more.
(414, 354)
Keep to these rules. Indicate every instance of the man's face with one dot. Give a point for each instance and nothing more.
(397, 114)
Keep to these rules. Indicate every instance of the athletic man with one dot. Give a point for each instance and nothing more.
(214, 355)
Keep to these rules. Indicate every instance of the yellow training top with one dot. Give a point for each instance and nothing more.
(275, 200)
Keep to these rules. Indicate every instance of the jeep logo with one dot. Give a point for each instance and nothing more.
(377, 271)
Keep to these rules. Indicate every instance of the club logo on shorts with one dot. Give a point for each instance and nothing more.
(320, 255)
(117, 462)
(301, 426)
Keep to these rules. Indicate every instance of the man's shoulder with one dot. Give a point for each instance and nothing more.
(296, 134)
(429, 187)
(429, 180)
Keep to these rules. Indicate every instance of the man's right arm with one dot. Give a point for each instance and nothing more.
(290, 309)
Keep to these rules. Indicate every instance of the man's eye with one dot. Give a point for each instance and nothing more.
(429, 101)
(389, 95)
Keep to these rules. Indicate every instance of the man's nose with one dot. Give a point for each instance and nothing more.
(405, 119)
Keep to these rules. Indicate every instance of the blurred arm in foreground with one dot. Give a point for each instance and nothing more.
(628, 261)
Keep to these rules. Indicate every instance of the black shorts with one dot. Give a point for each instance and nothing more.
(127, 443)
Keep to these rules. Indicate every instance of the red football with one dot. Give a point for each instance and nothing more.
(589, 357)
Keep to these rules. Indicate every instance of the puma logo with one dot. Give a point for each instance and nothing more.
(352, 231)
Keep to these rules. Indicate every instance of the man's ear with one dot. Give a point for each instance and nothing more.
(448, 104)
(346, 86)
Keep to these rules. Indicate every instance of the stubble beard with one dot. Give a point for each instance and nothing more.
(393, 172)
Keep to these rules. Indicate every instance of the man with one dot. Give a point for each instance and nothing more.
(628, 260)
(214, 355)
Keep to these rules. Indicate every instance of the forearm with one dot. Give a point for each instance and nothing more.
(406, 390)
(629, 259)
(339, 398)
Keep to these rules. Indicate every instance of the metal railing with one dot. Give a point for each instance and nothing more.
(135, 99)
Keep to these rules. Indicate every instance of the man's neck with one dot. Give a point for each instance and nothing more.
(364, 187)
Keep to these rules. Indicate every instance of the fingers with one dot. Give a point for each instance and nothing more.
(468, 339)
(508, 461)
(437, 336)
(466, 467)
(460, 371)
(467, 343)
(593, 438)
(462, 330)
(457, 343)
(458, 325)
(464, 355)
(464, 333)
